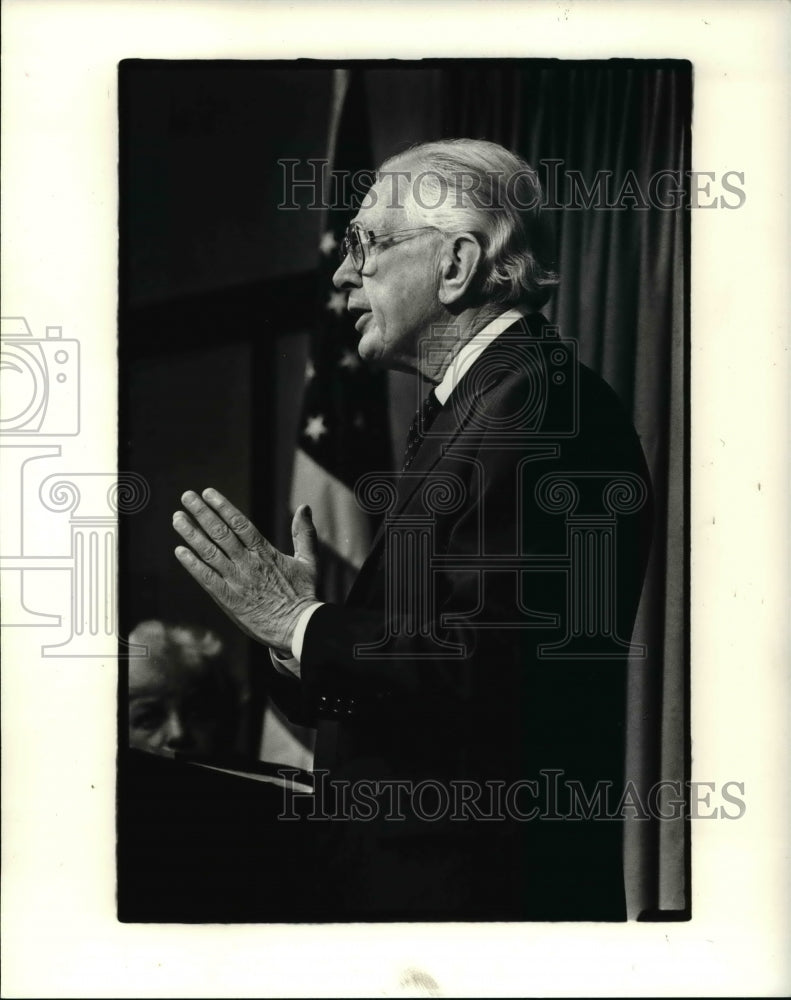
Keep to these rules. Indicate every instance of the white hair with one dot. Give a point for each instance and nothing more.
(471, 185)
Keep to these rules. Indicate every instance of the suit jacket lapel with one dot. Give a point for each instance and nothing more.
(463, 403)
(443, 431)
(455, 414)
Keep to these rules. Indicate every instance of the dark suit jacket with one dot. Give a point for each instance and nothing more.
(465, 657)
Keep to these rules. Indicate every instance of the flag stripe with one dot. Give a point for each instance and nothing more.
(340, 523)
(340, 85)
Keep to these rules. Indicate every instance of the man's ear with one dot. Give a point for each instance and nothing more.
(461, 259)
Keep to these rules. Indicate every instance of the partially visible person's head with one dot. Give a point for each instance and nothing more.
(182, 697)
(473, 185)
(457, 228)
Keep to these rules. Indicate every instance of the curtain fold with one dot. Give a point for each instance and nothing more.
(623, 297)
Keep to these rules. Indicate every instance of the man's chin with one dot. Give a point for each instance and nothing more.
(370, 355)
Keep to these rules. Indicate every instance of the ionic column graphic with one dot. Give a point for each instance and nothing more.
(503, 571)
(591, 549)
(15, 561)
(94, 500)
(410, 549)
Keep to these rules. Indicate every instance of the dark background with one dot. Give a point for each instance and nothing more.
(216, 305)
(217, 290)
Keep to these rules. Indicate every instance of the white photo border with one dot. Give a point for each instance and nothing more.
(59, 233)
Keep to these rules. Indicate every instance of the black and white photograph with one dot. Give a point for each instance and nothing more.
(393, 549)
(464, 633)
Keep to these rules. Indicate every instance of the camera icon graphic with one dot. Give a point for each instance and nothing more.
(40, 381)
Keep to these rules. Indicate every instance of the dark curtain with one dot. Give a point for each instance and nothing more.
(623, 296)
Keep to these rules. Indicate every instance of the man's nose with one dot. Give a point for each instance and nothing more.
(346, 276)
(176, 735)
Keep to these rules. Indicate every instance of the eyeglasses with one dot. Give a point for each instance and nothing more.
(357, 238)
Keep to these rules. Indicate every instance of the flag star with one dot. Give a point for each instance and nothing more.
(328, 243)
(337, 303)
(349, 360)
(310, 371)
(315, 428)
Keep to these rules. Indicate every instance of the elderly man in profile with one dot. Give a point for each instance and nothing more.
(470, 693)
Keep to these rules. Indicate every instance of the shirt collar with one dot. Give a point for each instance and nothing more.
(472, 349)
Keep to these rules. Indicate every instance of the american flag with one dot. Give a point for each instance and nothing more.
(344, 429)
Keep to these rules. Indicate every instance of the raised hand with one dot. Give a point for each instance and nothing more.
(261, 590)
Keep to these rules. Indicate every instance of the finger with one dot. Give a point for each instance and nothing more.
(203, 546)
(213, 525)
(203, 574)
(303, 533)
(241, 526)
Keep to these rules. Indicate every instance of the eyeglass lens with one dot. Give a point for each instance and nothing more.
(352, 245)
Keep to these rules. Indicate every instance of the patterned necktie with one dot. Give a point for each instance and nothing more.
(421, 422)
